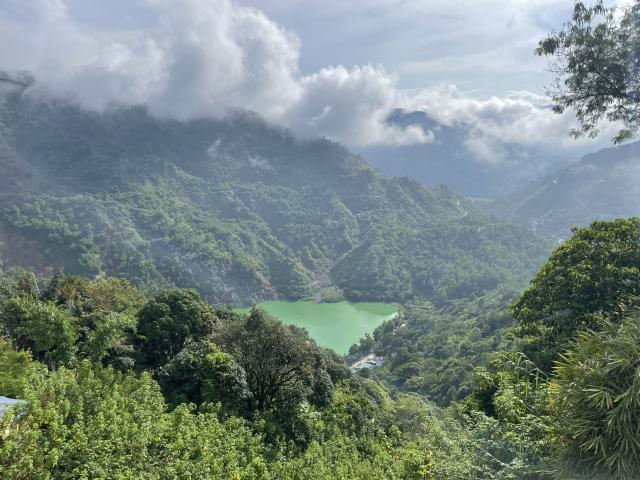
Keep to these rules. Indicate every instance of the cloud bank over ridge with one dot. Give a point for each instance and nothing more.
(198, 58)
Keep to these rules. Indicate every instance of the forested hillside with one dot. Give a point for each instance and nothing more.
(601, 186)
(434, 351)
(107, 393)
(236, 208)
(115, 384)
(157, 237)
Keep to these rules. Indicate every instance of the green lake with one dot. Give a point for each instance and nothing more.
(333, 325)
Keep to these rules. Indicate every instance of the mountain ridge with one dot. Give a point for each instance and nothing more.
(601, 186)
(449, 160)
(237, 208)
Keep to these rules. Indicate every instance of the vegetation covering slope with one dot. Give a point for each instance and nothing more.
(601, 186)
(243, 397)
(229, 395)
(434, 350)
(563, 381)
(236, 208)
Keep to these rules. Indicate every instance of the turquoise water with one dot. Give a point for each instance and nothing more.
(333, 325)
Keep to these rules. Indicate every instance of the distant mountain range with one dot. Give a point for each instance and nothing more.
(237, 208)
(447, 161)
(601, 186)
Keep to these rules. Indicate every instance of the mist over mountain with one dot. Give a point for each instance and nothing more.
(238, 208)
(455, 157)
(601, 186)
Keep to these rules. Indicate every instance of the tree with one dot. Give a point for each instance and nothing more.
(16, 369)
(90, 299)
(202, 373)
(17, 279)
(84, 423)
(93, 422)
(596, 404)
(278, 362)
(587, 281)
(49, 332)
(596, 61)
(168, 320)
(53, 291)
(110, 341)
(104, 310)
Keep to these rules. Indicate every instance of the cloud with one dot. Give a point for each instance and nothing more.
(488, 43)
(195, 58)
(522, 118)
(198, 58)
(353, 105)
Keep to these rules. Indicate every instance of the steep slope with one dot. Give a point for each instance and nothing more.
(601, 186)
(237, 208)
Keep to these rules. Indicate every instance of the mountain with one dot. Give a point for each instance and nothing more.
(601, 186)
(237, 208)
(447, 160)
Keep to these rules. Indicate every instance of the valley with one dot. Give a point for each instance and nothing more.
(285, 240)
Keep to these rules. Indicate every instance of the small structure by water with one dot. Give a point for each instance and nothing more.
(370, 361)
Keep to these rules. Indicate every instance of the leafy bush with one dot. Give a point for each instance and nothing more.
(596, 404)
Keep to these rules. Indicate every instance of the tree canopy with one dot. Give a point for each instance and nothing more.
(596, 61)
(168, 320)
(280, 362)
(590, 279)
(243, 396)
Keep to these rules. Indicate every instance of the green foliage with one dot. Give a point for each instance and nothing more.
(48, 331)
(433, 351)
(508, 414)
(110, 340)
(253, 398)
(16, 368)
(168, 320)
(332, 295)
(590, 279)
(239, 210)
(579, 419)
(92, 422)
(201, 373)
(18, 279)
(84, 422)
(95, 423)
(83, 298)
(282, 364)
(596, 67)
(596, 404)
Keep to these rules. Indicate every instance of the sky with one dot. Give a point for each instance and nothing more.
(335, 68)
(484, 47)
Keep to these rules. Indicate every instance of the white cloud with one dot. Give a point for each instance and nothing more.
(522, 118)
(199, 58)
(194, 58)
(352, 105)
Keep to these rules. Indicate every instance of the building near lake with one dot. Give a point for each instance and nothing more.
(370, 361)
